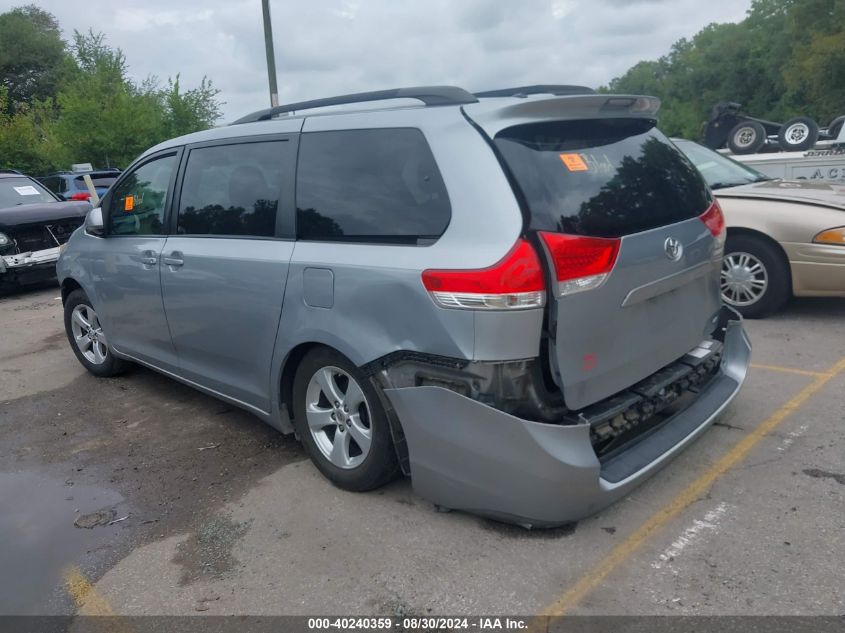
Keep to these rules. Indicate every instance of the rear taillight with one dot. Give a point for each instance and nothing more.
(581, 263)
(715, 221)
(514, 283)
(81, 195)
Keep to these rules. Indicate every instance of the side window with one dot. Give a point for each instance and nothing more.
(369, 186)
(136, 205)
(232, 190)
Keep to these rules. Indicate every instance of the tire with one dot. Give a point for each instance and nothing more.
(748, 257)
(835, 127)
(798, 134)
(321, 424)
(747, 137)
(94, 353)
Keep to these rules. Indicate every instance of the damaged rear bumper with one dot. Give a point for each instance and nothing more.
(466, 455)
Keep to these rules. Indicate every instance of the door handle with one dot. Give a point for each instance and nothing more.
(149, 258)
(173, 260)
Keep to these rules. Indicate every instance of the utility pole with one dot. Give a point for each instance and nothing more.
(271, 54)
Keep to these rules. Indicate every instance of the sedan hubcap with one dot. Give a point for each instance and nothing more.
(744, 279)
(338, 417)
(88, 334)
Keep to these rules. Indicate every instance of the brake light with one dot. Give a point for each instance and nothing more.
(514, 283)
(581, 263)
(714, 220)
(81, 195)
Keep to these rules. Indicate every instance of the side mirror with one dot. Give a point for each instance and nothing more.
(94, 222)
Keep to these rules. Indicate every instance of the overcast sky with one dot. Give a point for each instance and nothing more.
(328, 47)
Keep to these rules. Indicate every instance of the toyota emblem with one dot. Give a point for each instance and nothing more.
(674, 249)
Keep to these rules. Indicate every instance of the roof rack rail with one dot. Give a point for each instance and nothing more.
(10, 171)
(429, 95)
(522, 91)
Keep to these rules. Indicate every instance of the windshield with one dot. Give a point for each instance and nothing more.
(15, 191)
(719, 171)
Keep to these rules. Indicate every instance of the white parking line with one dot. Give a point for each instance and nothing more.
(710, 522)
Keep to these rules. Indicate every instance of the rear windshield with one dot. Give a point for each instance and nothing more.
(601, 177)
(98, 180)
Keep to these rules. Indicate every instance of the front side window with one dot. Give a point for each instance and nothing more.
(369, 186)
(137, 203)
(232, 190)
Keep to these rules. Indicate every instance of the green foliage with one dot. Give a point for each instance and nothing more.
(92, 111)
(787, 58)
(32, 56)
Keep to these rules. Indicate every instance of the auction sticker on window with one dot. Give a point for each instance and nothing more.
(574, 162)
(27, 190)
(129, 204)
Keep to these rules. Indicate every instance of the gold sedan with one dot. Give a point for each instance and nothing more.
(785, 237)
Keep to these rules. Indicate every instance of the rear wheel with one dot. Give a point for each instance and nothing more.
(755, 278)
(798, 134)
(836, 126)
(747, 137)
(87, 339)
(340, 420)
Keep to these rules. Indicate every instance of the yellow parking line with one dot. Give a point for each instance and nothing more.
(790, 370)
(690, 494)
(84, 595)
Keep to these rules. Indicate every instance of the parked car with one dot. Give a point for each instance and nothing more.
(785, 237)
(70, 185)
(815, 164)
(512, 297)
(33, 225)
(730, 127)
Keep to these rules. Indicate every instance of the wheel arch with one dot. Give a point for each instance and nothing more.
(69, 285)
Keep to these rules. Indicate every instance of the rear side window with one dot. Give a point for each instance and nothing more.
(369, 186)
(98, 180)
(602, 177)
(232, 190)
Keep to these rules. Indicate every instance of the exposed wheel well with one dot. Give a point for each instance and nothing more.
(68, 286)
(289, 373)
(737, 231)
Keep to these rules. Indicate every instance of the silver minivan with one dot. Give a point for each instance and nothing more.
(512, 297)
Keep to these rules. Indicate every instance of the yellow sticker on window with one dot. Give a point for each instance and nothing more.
(129, 203)
(574, 162)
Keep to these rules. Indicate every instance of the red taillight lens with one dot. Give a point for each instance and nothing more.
(81, 195)
(714, 220)
(515, 282)
(581, 263)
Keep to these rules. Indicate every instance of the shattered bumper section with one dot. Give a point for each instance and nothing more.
(31, 266)
(465, 455)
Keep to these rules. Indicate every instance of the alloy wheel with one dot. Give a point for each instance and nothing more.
(88, 334)
(338, 417)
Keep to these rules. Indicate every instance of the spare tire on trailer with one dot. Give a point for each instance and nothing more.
(798, 134)
(836, 126)
(747, 137)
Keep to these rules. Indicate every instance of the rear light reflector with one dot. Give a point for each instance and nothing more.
(715, 221)
(581, 263)
(514, 283)
(81, 195)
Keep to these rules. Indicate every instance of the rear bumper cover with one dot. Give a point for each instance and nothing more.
(468, 456)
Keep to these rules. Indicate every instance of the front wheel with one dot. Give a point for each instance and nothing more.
(87, 339)
(755, 277)
(341, 422)
(747, 137)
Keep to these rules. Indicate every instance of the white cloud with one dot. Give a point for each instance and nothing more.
(326, 47)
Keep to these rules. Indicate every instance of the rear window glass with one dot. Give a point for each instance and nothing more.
(602, 177)
(369, 186)
(99, 180)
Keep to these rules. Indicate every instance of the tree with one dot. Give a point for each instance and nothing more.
(787, 58)
(32, 55)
